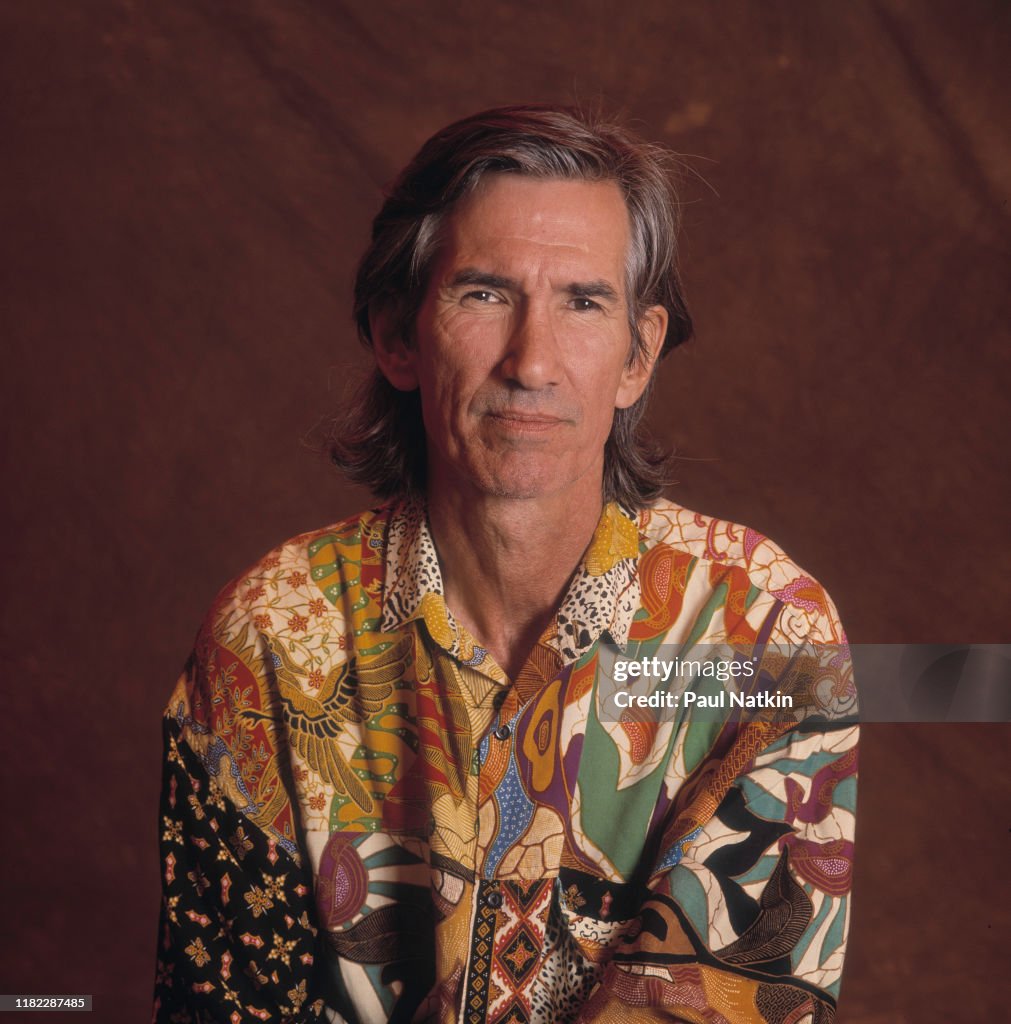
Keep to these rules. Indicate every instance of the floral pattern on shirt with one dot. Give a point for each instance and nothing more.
(482, 849)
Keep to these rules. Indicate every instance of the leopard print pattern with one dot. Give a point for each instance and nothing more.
(584, 615)
(412, 566)
(592, 604)
(565, 977)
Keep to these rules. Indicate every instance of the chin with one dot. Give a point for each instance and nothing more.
(522, 481)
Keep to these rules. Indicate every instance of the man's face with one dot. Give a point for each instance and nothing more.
(522, 342)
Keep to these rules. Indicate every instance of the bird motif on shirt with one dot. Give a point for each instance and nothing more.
(351, 693)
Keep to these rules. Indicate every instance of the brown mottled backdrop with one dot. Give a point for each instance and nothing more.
(186, 187)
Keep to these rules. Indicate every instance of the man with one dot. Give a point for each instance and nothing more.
(393, 787)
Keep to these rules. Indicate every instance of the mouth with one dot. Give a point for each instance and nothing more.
(525, 422)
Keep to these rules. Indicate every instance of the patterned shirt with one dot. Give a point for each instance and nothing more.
(363, 819)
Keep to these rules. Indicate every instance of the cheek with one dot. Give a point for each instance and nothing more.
(599, 391)
(457, 374)
(445, 398)
(602, 428)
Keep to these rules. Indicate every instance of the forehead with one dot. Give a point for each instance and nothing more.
(539, 224)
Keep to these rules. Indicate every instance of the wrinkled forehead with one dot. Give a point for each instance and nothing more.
(510, 218)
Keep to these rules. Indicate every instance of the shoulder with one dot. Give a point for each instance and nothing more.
(268, 643)
(731, 553)
(303, 579)
(306, 595)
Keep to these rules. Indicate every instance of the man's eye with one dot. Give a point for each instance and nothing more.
(482, 296)
(584, 305)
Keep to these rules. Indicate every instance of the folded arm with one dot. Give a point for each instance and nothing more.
(747, 911)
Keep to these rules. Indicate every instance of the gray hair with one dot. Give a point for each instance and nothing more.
(379, 439)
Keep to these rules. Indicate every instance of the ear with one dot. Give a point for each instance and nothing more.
(394, 358)
(635, 377)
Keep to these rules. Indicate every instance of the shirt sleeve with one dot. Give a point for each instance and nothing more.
(237, 939)
(747, 909)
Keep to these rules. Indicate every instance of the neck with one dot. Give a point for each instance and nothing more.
(506, 562)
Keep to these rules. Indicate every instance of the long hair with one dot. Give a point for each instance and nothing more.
(379, 439)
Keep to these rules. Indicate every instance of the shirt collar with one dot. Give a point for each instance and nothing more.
(602, 597)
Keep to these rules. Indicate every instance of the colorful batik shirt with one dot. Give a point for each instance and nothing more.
(363, 819)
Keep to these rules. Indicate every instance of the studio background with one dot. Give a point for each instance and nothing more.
(186, 190)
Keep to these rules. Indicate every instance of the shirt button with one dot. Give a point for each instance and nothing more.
(494, 900)
(502, 732)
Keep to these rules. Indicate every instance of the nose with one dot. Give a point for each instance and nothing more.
(533, 359)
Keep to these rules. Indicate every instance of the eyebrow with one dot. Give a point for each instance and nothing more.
(599, 289)
(592, 290)
(471, 275)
